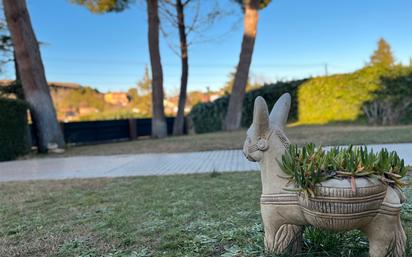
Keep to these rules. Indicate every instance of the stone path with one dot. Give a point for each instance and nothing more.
(144, 164)
(125, 165)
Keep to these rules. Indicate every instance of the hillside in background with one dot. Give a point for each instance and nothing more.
(75, 102)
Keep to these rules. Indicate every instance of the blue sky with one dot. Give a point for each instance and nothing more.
(295, 39)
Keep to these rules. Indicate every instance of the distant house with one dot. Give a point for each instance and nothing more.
(67, 114)
(72, 100)
(194, 97)
(213, 96)
(87, 110)
(5, 82)
(117, 98)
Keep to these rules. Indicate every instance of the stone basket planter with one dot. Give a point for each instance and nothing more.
(338, 205)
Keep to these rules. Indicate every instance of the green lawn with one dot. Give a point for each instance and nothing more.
(325, 135)
(180, 215)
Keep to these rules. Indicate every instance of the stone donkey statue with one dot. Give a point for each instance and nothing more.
(374, 207)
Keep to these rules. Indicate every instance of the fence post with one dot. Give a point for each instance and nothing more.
(62, 129)
(132, 129)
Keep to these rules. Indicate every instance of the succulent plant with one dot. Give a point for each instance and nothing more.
(310, 165)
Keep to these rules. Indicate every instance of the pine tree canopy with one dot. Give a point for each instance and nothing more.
(383, 55)
(261, 3)
(103, 6)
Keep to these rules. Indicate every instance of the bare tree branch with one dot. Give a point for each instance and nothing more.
(200, 22)
(186, 2)
(169, 43)
(194, 21)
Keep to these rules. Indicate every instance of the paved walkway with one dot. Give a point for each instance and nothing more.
(125, 165)
(143, 164)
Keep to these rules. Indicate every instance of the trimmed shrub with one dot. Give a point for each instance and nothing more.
(321, 100)
(208, 117)
(271, 94)
(14, 133)
(337, 97)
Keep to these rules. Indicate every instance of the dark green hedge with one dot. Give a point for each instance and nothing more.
(208, 117)
(14, 133)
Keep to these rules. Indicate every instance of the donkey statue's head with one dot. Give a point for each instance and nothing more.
(266, 141)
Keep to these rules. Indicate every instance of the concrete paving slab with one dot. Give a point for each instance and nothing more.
(61, 168)
(124, 165)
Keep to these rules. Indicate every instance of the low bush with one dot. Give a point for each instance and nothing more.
(14, 132)
(208, 117)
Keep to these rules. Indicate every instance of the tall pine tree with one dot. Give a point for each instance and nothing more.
(31, 71)
(250, 22)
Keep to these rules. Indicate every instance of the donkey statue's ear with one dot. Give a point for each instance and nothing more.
(260, 116)
(279, 114)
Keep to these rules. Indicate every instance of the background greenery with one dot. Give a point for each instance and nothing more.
(343, 97)
(324, 99)
(379, 93)
(14, 134)
(337, 97)
(208, 117)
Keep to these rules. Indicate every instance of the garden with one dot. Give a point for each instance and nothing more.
(107, 166)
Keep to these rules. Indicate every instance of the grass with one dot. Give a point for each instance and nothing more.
(180, 215)
(320, 135)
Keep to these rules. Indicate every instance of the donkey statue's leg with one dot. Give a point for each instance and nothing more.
(280, 236)
(385, 233)
(386, 236)
(289, 237)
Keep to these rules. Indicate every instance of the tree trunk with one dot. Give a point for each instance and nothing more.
(234, 111)
(16, 66)
(17, 83)
(31, 71)
(180, 116)
(159, 126)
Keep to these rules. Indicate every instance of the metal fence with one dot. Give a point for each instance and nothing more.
(94, 132)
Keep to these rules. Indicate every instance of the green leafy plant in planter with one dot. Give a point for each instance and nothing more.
(310, 165)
